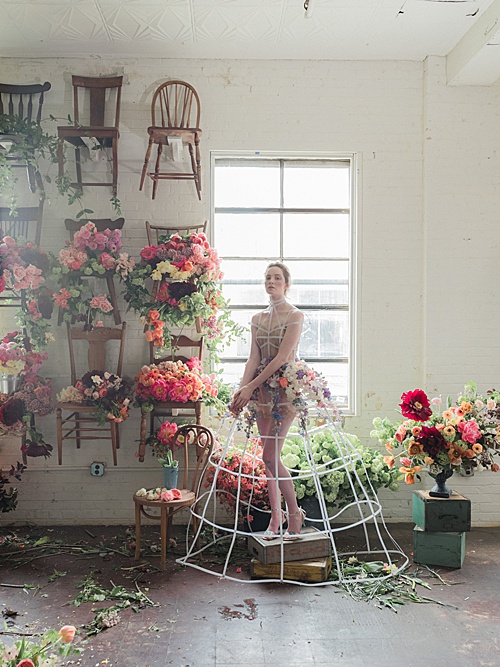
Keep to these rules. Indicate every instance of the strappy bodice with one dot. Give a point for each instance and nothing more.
(270, 327)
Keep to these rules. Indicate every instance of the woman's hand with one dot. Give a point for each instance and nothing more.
(240, 399)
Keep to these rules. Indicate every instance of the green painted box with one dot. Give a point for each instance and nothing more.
(441, 515)
(445, 549)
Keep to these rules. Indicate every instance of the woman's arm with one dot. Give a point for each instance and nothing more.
(288, 344)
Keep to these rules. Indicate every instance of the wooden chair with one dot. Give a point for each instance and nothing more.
(162, 411)
(188, 436)
(25, 101)
(175, 112)
(70, 427)
(159, 231)
(106, 135)
(26, 221)
(101, 224)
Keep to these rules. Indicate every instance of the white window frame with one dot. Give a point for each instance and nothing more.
(355, 178)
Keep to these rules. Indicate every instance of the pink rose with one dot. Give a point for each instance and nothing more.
(107, 261)
(149, 252)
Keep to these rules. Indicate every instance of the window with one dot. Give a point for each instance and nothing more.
(299, 211)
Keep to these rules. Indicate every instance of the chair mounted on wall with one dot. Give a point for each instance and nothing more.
(26, 102)
(175, 113)
(106, 136)
(78, 424)
(154, 232)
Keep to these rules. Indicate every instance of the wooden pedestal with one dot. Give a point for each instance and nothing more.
(445, 549)
(311, 545)
(314, 571)
(444, 515)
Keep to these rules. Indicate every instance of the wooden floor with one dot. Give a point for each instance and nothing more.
(201, 620)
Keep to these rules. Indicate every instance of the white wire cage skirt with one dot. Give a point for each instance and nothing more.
(215, 544)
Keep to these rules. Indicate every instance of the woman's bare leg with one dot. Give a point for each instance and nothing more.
(272, 443)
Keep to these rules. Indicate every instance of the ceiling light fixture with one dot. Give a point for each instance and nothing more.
(308, 8)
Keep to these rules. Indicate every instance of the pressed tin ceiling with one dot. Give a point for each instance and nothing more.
(336, 30)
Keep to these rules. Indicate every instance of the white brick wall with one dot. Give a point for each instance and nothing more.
(428, 203)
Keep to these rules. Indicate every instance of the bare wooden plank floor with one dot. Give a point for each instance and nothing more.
(202, 621)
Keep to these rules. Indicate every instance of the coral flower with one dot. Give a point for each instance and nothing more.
(477, 448)
(26, 663)
(466, 407)
(410, 473)
(67, 633)
(416, 431)
(414, 449)
(389, 461)
(447, 414)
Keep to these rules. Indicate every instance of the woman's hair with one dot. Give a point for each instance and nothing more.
(286, 272)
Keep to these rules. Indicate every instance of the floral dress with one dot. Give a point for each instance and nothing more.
(294, 386)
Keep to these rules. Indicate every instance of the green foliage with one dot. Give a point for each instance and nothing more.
(336, 482)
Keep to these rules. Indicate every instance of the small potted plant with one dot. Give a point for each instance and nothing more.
(162, 443)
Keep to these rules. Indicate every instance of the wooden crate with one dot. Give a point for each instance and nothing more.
(314, 571)
(441, 515)
(311, 545)
(445, 549)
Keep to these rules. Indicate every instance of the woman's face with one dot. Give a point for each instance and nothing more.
(275, 283)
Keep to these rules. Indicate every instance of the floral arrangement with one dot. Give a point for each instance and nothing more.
(370, 467)
(17, 357)
(162, 442)
(17, 412)
(461, 437)
(8, 496)
(109, 394)
(174, 381)
(300, 385)
(23, 271)
(91, 254)
(186, 272)
(240, 465)
(46, 652)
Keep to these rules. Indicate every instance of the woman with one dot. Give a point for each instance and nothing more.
(275, 338)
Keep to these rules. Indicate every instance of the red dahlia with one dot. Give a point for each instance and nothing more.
(415, 405)
(432, 441)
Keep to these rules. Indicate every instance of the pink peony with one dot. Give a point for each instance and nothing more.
(107, 261)
(470, 431)
(149, 252)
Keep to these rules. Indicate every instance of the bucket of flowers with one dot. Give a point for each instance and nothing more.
(457, 438)
(241, 471)
(107, 393)
(339, 486)
(185, 290)
(92, 254)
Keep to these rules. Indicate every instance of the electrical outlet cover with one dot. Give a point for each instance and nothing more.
(97, 469)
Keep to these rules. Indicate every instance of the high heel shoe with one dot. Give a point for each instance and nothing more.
(270, 534)
(290, 536)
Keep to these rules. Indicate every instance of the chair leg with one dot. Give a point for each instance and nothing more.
(114, 426)
(146, 162)
(77, 428)
(78, 167)
(117, 437)
(163, 537)
(137, 531)
(157, 170)
(60, 157)
(59, 434)
(198, 165)
(114, 148)
(112, 293)
(142, 437)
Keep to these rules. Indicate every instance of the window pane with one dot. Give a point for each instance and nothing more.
(247, 235)
(233, 372)
(325, 334)
(337, 375)
(316, 185)
(320, 235)
(244, 186)
(243, 281)
(323, 283)
(241, 346)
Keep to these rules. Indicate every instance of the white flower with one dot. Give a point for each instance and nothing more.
(141, 492)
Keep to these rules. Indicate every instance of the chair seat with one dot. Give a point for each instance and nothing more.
(173, 131)
(86, 130)
(188, 498)
(75, 407)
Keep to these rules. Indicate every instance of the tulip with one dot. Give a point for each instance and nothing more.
(67, 633)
